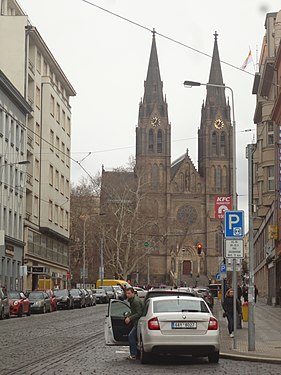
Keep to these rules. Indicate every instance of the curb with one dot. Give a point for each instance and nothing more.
(250, 358)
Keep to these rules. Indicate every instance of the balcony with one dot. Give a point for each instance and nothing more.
(31, 67)
(30, 141)
(29, 179)
(28, 215)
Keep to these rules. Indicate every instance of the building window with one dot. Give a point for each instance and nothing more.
(37, 97)
(63, 119)
(57, 180)
(56, 214)
(17, 137)
(52, 106)
(61, 217)
(1, 122)
(218, 178)
(45, 69)
(50, 210)
(270, 133)
(52, 140)
(58, 113)
(36, 172)
(150, 140)
(62, 184)
(67, 189)
(67, 157)
(36, 206)
(214, 143)
(66, 220)
(155, 176)
(57, 146)
(37, 131)
(68, 125)
(38, 62)
(51, 175)
(270, 178)
(63, 152)
(159, 141)
(223, 148)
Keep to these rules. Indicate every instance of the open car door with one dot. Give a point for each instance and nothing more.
(115, 329)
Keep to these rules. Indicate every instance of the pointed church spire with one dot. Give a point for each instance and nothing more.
(153, 93)
(215, 95)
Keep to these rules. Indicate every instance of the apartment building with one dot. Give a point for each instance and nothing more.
(265, 168)
(13, 161)
(32, 68)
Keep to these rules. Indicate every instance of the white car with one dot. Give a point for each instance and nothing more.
(170, 325)
(140, 292)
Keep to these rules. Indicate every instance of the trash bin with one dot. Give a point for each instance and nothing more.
(245, 311)
(219, 295)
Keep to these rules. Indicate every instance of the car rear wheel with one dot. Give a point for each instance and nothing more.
(214, 357)
(44, 309)
(144, 356)
(29, 311)
(20, 312)
(2, 314)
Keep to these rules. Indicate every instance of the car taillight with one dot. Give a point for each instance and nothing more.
(153, 324)
(213, 324)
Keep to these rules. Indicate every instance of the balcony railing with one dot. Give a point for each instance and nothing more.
(31, 67)
(29, 179)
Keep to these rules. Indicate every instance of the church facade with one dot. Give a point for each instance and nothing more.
(180, 197)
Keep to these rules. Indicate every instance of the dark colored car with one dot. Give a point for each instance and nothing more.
(40, 302)
(101, 296)
(159, 292)
(205, 293)
(4, 304)
(92, 297)
(78, 297)
(19, 304)
(109, 291)
(64, 299)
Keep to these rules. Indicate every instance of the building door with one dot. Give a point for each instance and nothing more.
(186, 267)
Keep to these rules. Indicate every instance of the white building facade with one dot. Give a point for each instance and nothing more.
(13, 155)
(32, 68)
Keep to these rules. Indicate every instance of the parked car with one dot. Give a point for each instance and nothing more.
(92, 297)
(78, 297)
(140, 291)
(39, 302)
(64, 299)
(88, 300)
(109, 291)
(119, 293)
(101, 296)
(4, 304)
(19, 304)
(170, 325)
(205, 293)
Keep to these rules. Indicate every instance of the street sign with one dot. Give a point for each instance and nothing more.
(222, 204)
(229, 265)
(223, 268)
(234, 249)
(234, 224)
(218, 276)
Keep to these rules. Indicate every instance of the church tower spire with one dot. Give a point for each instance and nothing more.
(215, 95)
(153, 133)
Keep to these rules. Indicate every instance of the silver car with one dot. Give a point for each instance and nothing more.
(170, 325)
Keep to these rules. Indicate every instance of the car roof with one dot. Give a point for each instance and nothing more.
(180, 297)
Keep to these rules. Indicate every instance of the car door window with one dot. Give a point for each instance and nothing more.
(145, 309)
(119, 309)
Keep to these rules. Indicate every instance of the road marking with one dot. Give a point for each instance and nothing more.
(122, 352)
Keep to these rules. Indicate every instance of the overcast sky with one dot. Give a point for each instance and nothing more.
(106, 59)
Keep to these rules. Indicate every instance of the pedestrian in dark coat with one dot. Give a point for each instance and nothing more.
(228, 310)
(245, 293)
(256, 293)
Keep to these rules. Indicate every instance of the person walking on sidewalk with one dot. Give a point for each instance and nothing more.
(256, 293)
(227, 306)
(136, 312)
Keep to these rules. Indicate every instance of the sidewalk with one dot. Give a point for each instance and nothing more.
(268, 335)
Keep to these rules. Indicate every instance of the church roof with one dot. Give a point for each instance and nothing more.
(176, 164)
(153, 85)
(215, 95)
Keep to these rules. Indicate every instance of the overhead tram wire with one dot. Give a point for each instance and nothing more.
(164, 36)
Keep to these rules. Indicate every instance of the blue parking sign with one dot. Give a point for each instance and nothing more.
(234, 224)
(223, 268)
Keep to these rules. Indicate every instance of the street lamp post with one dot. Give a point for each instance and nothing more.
(234, 194)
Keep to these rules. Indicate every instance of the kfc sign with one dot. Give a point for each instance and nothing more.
(222, 204)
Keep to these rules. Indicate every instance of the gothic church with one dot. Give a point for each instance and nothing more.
(179, 196)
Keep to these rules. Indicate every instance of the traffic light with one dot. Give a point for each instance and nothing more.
(199, 248)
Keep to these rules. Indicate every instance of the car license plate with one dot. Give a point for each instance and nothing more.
(184, 325)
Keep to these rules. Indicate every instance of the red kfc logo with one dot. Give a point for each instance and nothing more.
(222, 204)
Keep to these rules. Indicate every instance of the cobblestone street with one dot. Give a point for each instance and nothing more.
(72, 342)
